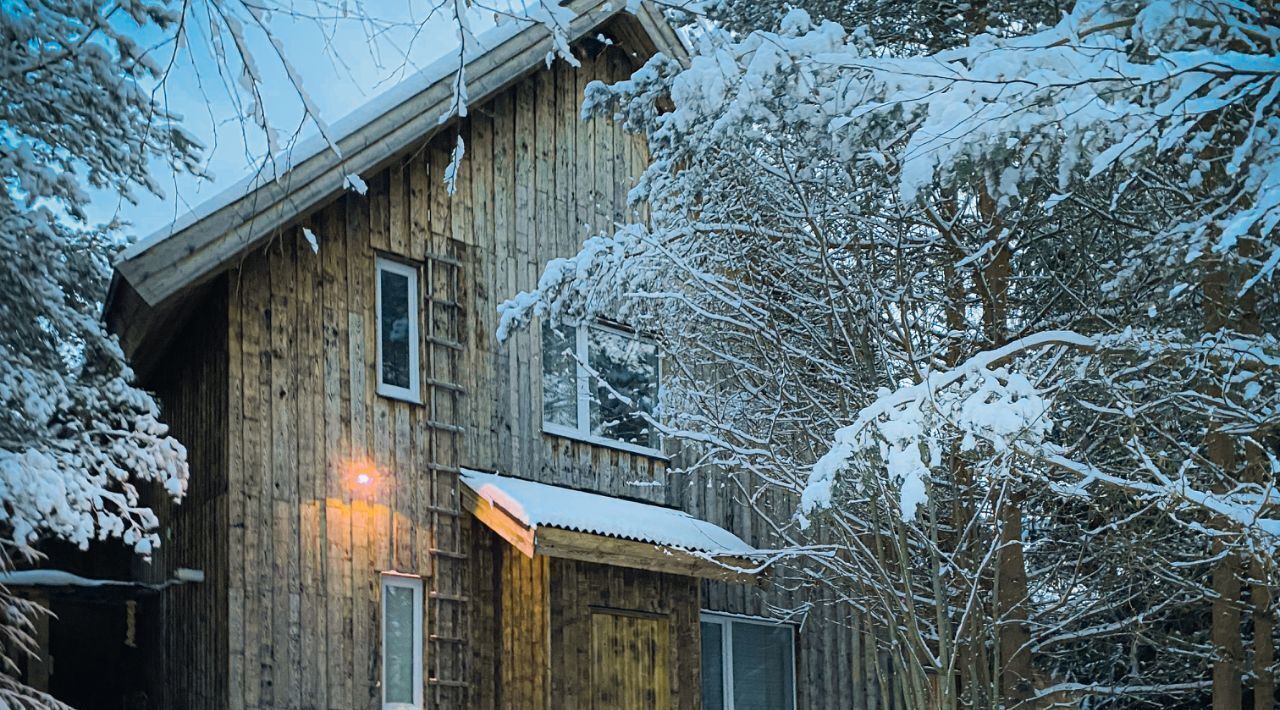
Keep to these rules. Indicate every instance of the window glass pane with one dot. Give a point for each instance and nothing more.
(629, 365)
(559, 375)
(397, 644)
(762, 667)
(394, 328)
(712, 667)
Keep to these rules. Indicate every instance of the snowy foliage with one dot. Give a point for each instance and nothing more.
(990, 306)
(76, 436)
(900, 430)
(76, 432)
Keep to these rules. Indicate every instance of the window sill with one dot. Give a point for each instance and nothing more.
(567, 433)
(399, 393)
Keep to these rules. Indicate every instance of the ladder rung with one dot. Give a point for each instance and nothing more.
(461, 598)
(449, 683)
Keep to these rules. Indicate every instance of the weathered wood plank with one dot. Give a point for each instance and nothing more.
(419, 206)
(283, 492)
(255, 289)
(380, 211)
(524, 138)
(405, 510)
(500, 522)
(545, 225)
(236, 386)
(491, 217)
(338, 593)
(398, 210)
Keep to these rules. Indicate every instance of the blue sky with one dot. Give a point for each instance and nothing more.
(343, 61)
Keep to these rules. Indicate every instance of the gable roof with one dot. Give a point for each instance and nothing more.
(152, 275)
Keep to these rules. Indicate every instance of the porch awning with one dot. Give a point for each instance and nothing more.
(539, 518)
(60, 583)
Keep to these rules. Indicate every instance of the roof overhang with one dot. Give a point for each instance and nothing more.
(62, 584)
(152, 276)
(542, 519)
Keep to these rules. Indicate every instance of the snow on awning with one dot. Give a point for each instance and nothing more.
(563, 522)
(57, 578)
(542, 504)
(62, 583)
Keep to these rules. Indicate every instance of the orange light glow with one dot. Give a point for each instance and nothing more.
(362, 477)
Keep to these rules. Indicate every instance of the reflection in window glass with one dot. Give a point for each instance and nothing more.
(608, 399)
(628, 367)
(394, 328)
(397, 644)
(712, 668)
(747, 664)
(762, 667)
(559, 375)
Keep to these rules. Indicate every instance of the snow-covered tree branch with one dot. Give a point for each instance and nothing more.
(988, 302)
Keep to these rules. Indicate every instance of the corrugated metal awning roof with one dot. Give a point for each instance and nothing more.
(543, 505)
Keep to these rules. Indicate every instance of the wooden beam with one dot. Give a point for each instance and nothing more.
(661, 33)
(520, 536)
(644, 34)
(572, 545)
(145, 332)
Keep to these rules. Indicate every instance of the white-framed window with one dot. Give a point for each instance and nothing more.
(747, 663)
(397, 316)
(598, 382)
(401, 642)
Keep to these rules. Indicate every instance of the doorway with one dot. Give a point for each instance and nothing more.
(630, 660)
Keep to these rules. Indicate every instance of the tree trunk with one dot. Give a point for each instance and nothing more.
(1224, 630)
(1264, 650)
(972, 662)
(1017, 669)
(1260, 591)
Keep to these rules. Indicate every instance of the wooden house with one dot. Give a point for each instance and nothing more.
(388, 508)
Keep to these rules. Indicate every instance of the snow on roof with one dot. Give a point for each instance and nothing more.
(61, 578)
(207, 240)
(55, 578)
(542, 504)
(442, 68)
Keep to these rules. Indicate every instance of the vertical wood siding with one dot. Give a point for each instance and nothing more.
(533, 629)
(512, 628)
(307, 543)
(582, 678)
(190, 669)
(293, 551)
(303, 590)
(538, 181)
(531, 131)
